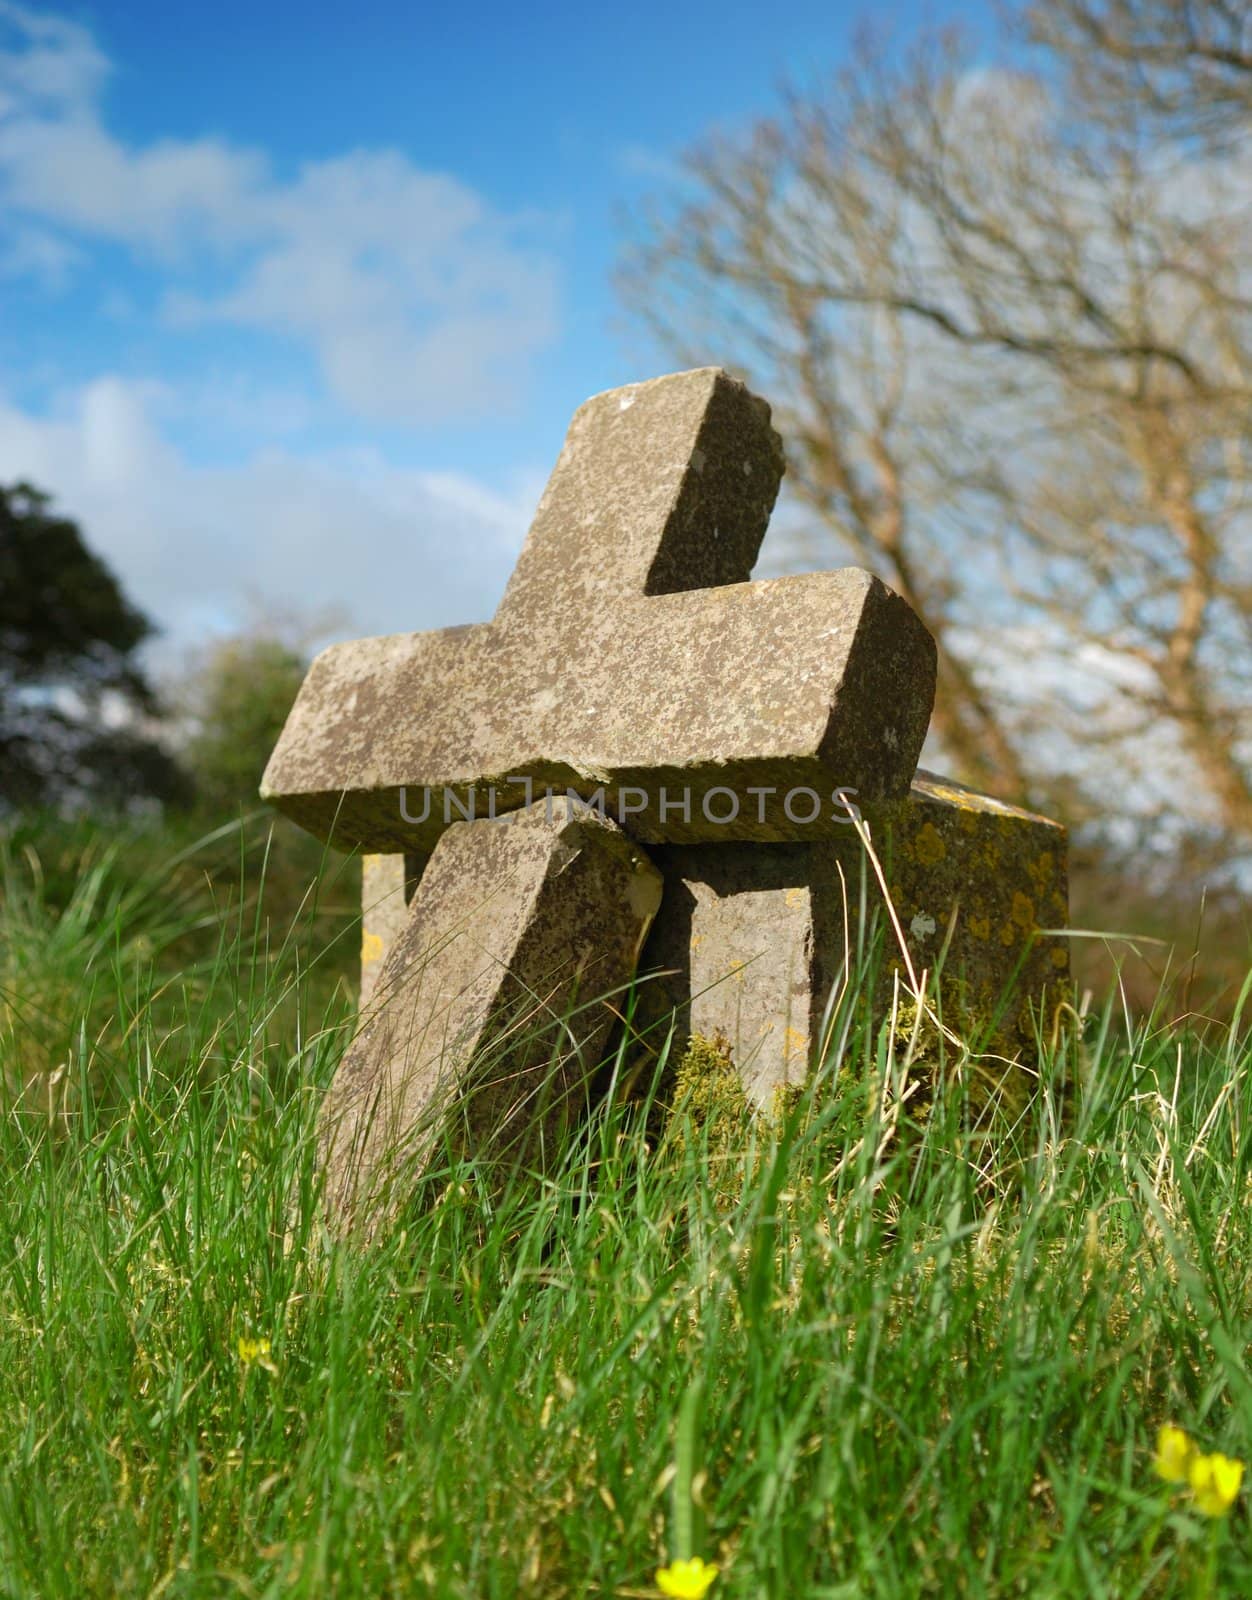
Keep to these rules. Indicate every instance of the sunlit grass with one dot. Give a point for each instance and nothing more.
(883, 1354)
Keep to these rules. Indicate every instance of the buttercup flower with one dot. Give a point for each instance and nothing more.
(1214, 1482)
(1174, 1455)
(255, 1353)
(686, 1580)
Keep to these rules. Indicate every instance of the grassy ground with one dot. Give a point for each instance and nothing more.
(866, 1351)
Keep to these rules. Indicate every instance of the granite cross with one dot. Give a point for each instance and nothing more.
(629, 657)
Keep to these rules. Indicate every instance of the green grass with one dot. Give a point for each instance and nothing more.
(865, 1352)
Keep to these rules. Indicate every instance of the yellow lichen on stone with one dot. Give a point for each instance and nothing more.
(371, 948)
(928, 847)
(1005, 869)
(795, 1042)
(963, 799)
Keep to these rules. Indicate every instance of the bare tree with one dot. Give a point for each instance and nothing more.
(1013, 350)
(1183, 64)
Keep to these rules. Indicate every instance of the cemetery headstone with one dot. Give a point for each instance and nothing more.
(718, 726)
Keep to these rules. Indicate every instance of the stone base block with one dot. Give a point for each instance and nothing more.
(752, 938)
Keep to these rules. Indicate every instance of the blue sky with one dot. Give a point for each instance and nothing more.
(296, 300)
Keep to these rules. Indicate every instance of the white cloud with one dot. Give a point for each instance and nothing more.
(58, 65)
(36, 253)
(391, 548)
(420, 300)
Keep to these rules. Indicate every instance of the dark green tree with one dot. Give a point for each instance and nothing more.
(237, 699)
(77, 713)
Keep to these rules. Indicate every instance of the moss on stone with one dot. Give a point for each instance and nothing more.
(711, 1110)
(709, 1096)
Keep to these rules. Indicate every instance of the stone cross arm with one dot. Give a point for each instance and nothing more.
(629, 654)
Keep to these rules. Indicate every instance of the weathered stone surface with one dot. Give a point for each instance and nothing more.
(470, 1032)
(387, 885)
(754, 936)
(739, 951)
(660, 487)
(607, 668)
(1006, 869)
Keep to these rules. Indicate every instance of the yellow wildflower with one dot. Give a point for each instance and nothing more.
(255, 1353)
(1214, 1482)
(686, 1580)
(1174, 1455)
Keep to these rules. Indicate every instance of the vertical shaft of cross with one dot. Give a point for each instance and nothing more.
(663, 486)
